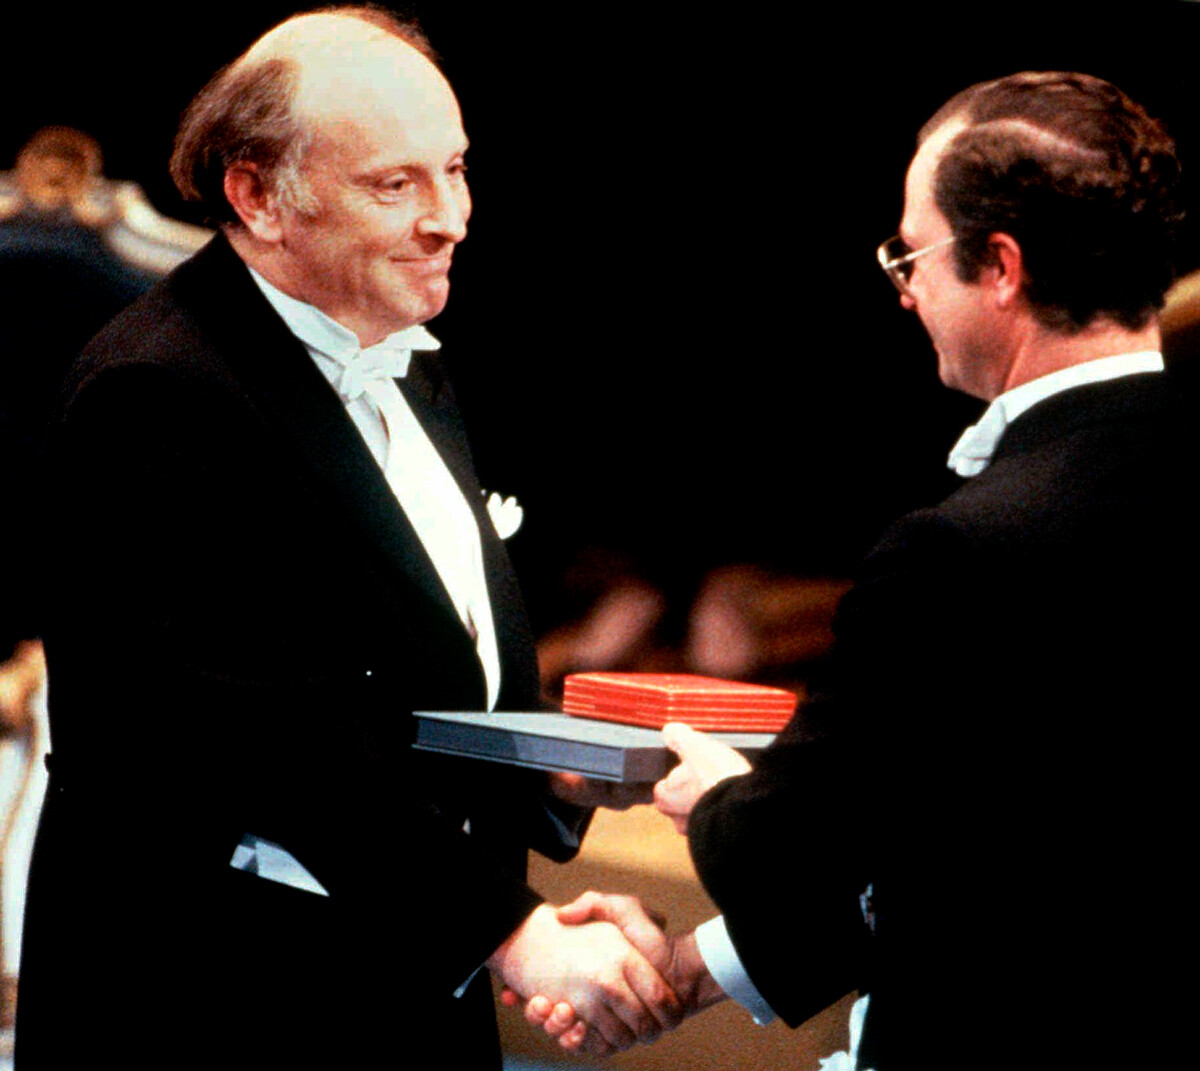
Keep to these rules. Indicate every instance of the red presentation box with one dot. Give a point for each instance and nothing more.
(653, 699)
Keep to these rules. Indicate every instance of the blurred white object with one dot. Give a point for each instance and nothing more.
(22, 786)
(848, 1060)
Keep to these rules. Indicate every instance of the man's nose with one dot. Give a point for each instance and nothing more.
(447, 214)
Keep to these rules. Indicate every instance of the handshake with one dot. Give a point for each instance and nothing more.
(599, 974)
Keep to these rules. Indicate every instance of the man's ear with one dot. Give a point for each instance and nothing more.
(1006, 268)
(256, 206)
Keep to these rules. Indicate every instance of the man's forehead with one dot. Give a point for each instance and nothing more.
(918, 186)
(929, 152)
(348, 68)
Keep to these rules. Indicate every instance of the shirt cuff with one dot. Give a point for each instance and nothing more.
(724, 964)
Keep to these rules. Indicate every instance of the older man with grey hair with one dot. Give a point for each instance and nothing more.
(242, 863)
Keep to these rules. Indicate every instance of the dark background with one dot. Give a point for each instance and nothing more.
(667, 325)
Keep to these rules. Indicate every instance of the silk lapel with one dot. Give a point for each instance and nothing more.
(434, 405)
(431, 398)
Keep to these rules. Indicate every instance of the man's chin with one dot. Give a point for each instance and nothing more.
(430, 309)
(411, 308)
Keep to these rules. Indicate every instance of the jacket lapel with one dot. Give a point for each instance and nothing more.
(430, 395)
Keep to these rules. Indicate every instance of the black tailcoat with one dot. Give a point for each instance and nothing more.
(241, 619)
(1002, 748)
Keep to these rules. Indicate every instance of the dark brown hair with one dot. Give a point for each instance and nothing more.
(1080, 176)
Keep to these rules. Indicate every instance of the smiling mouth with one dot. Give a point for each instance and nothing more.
(438, 259)
(438, 265)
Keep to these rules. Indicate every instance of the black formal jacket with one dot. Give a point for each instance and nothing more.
(1001, 748)
(241, 620)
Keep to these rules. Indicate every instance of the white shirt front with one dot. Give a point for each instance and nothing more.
(416, 473)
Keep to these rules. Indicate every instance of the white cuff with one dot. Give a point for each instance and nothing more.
(266, 859)
(724, 964)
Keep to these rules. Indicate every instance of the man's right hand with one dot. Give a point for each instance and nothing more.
(677, 959)
(594, 969)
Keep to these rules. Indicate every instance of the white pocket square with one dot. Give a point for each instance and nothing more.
(506, 514)
(266, 859)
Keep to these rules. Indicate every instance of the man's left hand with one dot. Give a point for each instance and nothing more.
(703, 762)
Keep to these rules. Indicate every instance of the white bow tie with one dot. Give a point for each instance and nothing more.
(371, 365)
(973, 451)
(385, 360)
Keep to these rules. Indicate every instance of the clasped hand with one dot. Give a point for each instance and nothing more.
(676, 959)
(594, 969)
(703, 763)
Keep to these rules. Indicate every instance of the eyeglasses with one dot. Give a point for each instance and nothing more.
(896, 260)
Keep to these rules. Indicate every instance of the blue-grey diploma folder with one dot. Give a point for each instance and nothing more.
(602, 749)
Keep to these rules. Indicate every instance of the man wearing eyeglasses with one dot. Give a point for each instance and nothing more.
(998, 750)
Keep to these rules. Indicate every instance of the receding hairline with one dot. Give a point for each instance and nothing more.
(254, 109)
(1032, 137)
(314, 46)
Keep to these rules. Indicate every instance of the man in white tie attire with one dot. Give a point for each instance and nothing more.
(267, 547)
(989, 787)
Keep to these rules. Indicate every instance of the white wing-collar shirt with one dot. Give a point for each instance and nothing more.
(415, 471)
